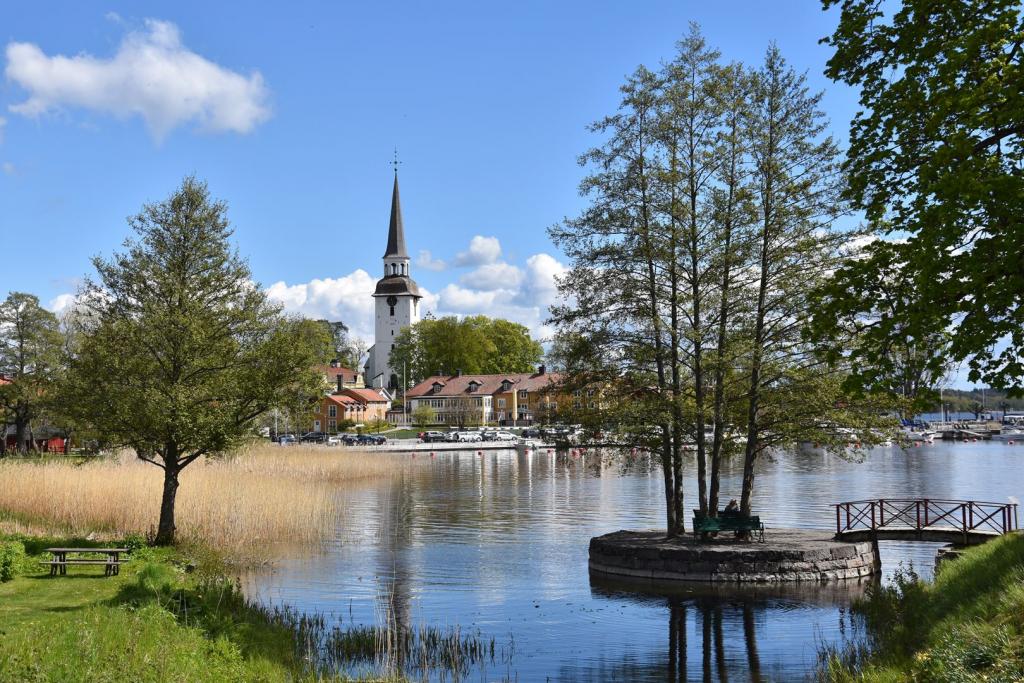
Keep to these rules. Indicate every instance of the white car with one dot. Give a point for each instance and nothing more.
(504, 436)
(470, 436)
(333, 441)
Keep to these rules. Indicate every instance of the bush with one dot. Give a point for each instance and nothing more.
(134, 542)
(12, 559)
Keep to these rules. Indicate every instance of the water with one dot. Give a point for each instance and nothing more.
(498, 544)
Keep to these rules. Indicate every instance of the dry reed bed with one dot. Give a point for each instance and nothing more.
(259, 496)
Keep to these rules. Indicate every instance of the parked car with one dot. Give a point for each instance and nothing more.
(350, 439)
(371, 440)
(468, 437)
(451, 436)
(313, 437)
(530, 433)
(333, 441)
(504, 436)
(286, 439)
(433, 437)
(489, 435)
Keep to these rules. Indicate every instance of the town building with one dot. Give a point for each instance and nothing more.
(396, 303)
(509, 399)
(359, 406)
(339, 378)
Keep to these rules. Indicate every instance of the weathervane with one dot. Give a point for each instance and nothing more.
(396, 162)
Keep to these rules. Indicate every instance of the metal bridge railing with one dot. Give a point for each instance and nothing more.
(920, 514)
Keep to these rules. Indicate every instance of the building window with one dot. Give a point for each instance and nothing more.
(523, 393)
(392, 313)
(316, 409)
(501, 403)
(332, 425)
(577, 393)
(590, 392)
(332, 411)
(593, 405)
(576, 405)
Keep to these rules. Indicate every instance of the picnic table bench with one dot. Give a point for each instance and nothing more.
(727, 520)
(111, 564)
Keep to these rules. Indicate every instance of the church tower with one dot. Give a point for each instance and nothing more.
(396, 302)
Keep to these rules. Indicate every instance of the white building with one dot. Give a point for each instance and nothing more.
(396, 303)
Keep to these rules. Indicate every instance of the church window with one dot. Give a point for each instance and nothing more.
(392, 314)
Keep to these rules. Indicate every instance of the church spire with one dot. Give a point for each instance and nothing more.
(396, 233)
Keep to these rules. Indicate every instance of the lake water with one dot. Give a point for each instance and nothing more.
(497, 544)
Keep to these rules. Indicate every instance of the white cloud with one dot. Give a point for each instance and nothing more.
(493, 290)
(3, 122)
(493, 276)
(62, 303)
(481, 250)
(9, 168)
(539, 286)
(456, 299)
(426, 261)
(346, 298)
(153, 75)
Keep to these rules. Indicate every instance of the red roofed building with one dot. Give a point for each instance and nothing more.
(340, 378)
(359, 406)
(509, 399)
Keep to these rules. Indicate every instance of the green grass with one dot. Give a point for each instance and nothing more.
(966, 625)
(170, 616)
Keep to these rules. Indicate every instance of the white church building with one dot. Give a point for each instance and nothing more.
(396, 303)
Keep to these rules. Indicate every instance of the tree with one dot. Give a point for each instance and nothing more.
(180, 351)
(712, 204)
(423, 416)
(935, 160)
(797, 195)
(473, 345)
(30, 361)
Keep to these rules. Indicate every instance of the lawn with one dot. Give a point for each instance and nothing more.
(169, 616)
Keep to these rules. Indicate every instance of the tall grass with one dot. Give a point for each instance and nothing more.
(238, 503)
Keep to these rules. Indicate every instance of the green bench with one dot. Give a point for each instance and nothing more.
(727, 520)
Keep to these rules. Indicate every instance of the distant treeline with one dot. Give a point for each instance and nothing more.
(971, 401)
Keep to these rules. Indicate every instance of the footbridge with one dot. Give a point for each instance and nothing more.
(964, 522)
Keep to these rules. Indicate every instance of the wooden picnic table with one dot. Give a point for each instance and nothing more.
(59, 563)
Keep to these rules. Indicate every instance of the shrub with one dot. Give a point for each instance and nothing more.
(12, 559)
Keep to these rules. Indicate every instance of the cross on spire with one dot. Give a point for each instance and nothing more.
(396, 163)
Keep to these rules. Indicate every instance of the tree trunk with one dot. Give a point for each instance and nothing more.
(670, 490)
(165, 531)
(20, 434)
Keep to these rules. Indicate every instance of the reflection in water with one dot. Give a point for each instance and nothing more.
(497, 544)
(713, 629)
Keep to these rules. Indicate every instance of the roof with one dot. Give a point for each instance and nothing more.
(333, 371)
(395, 285)
(456, 385)
(341, 399)
(365, 395)
(396, 231)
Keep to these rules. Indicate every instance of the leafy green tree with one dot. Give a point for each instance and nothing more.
(180, 351)
(935, 160)
(711, 220)
(474, 345)
(423, 416)
(30, 362)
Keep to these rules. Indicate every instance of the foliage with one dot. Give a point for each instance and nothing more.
(712, 202)
(179, 352)
(934, 160)
(475, 345)
(423, 416)
(30, 359)
(12, 556)
(963, 626)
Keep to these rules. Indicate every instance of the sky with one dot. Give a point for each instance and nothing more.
(291, 112)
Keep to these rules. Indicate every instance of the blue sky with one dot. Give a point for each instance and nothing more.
(291, 111)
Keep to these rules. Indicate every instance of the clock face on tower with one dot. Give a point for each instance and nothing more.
(392, 300)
